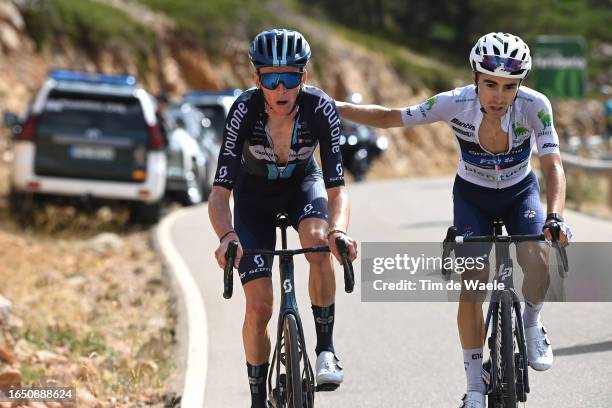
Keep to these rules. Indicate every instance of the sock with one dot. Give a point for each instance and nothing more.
(324, 326)
(257, 383)
(531, 313)
(472, 362)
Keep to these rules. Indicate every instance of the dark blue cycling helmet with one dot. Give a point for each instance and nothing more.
(278, 48)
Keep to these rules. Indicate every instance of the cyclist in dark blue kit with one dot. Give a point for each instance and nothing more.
(267, 160)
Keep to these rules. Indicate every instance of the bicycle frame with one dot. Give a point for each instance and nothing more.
(288, 306)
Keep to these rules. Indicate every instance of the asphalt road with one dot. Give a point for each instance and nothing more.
(399, 354)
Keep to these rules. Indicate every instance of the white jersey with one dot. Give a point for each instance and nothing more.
(528, 121)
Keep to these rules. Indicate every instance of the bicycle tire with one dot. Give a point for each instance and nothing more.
(508, 374)
(292, 363)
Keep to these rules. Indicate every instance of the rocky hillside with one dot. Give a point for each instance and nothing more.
(173, 61)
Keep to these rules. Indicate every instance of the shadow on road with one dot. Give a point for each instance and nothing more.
(584, 349)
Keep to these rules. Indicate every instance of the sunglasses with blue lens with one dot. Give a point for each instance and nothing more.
(271, 80)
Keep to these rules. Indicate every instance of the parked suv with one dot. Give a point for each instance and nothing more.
(89, 137)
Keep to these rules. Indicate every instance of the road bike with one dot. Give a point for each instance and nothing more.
(506, 370)
(291, 380)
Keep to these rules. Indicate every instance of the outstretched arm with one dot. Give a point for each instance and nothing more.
(371, 115)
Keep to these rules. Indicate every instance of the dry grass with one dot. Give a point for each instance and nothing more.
(90, 310)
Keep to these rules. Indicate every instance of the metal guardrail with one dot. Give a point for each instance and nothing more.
(580, 167)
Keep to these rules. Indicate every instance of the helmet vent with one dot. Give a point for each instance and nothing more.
(269, 46)
(260, 46)
(496, 50)
(513, 53)
(298, 47)
(279, 48)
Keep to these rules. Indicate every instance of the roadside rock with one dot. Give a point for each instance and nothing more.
(9, 378)
(7, 355)
(106, 241)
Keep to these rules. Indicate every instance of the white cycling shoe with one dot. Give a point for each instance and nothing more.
(328, 371)
(539, 350)
(473, 399)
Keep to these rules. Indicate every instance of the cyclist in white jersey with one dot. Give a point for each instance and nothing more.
(496, 122)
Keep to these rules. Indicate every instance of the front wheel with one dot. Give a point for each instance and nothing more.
(292, 363)
(503, 359)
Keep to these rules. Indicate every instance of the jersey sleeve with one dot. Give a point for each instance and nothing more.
(540, 117)
(230, 155)
(432, 110)
(329, 131)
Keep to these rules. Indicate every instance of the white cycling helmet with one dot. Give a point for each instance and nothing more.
(501, 54)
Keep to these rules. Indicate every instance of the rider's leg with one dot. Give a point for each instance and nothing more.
(321, 282)
(471, 219)
(527, 216)
(309, 214)
(532, 257)
(258, 312)
(254, 222)
(256, 338)
(470, 323)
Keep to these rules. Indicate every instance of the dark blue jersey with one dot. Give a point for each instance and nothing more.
(247, 146)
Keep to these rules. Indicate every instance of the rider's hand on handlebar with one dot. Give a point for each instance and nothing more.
(351, 246)
(564, 232)
(222, 249)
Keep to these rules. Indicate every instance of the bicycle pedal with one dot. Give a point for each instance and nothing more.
(327, 387)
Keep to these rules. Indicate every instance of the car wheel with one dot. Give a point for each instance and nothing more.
(145, 213)
(22, 207)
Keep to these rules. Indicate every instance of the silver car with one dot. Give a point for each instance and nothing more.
(192, 154)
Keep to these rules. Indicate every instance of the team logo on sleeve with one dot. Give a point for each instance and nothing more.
(545, 118)
(339, 169)
(427, 105)
(223, 172)
(431, 102)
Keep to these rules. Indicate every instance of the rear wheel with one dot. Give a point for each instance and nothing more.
(292, 363)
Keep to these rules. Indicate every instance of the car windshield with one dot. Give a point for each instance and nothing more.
(92, 115)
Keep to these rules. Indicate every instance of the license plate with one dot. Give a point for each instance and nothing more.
(92, 152)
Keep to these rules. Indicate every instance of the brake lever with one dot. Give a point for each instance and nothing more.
(349, 274)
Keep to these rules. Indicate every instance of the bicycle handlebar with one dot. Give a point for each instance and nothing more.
(453, 238)
(230, 258)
